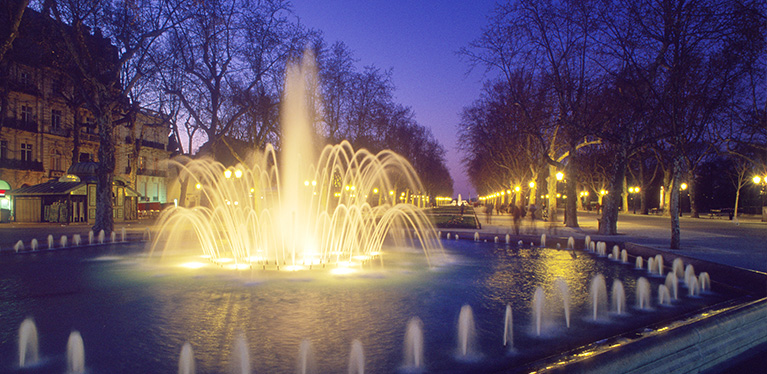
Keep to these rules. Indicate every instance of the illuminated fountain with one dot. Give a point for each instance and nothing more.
(296, 207)
(343, 209)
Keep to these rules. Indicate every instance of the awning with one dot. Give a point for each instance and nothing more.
(48, 188)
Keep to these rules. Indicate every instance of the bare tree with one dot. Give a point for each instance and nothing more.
(121, 34)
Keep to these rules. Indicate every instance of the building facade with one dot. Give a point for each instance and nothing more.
(40, 117)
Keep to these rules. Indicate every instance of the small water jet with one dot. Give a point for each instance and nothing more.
(63, 241)
(19, 246)
(508, 239)
(664, 296)
(306, 364)
(571, 243)
(101, 237)
(28, 345)
(476, 236)
(91, 236)
(75, 353)
(672, 284)
(122, 234)
(495, 240)
(33, 244)
(587, 242)
(659, 264)
(689, 273)
(448, 236)
(356, 358)
(616, 252)
(624, 257)
(113, 237)
(650, 265)
(598, 296)
(50, 241)
(414, 345)
(186, 360)
(693, 288)
(643, 293)
(539, 301)
(543, 240)
(704, 281)
(618, 297)
(467, 334)
(677, 267)
(76, 240)
(508, 328)
(639, 263)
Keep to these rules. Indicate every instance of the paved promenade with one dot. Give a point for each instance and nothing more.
(713, 239)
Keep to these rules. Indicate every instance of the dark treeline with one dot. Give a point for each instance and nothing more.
(617, 93)
(215, 70)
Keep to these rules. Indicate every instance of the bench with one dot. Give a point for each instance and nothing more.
(719, 213)
(656, 211)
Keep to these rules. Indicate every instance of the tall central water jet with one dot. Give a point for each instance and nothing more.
(300, 205)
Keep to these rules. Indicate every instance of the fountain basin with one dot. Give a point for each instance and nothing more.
(134, 314)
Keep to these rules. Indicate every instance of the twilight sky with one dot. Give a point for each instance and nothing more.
(418, 40)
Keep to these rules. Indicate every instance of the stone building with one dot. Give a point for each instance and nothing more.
(40, 116)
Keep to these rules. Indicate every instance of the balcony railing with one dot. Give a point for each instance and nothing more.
(20, 124)
(152, 173)
(28, 88)
(21, 165)
(60, 132)
(150, 144)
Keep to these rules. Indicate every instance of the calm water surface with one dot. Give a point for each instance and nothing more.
(135, 314)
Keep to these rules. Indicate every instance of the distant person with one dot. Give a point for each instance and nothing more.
(531, 209)
(489, 212)
(598, 207)
(516, 216)
(463, 207)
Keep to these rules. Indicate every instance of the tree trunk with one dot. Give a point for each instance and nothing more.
(552, 191)
(691, 193)
(737, 199)
(76, 131)
(624, 195)
(674, 203)
(666, 190)
(643, 192)
(105, 174)
(571, 207)
(611, 202)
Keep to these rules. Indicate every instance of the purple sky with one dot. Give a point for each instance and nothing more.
(418, 40)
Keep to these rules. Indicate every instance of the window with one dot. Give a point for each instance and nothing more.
(3, 150)
(25, 78)
(55, 160)
(26, 152)
(26, 113)
(57, 87)
(85, 157)
(55, 119)
(90, 126)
